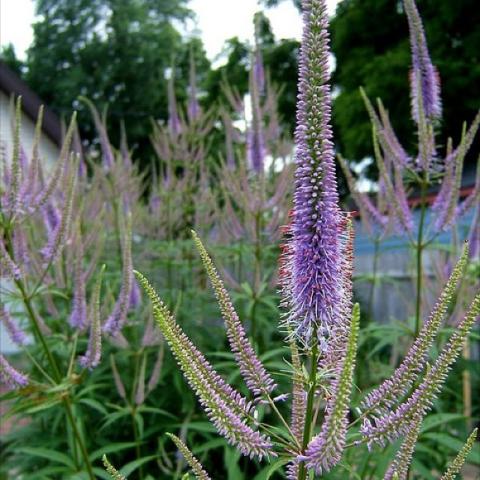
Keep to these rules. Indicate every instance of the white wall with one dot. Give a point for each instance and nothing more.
(48, 153)
(48, 150)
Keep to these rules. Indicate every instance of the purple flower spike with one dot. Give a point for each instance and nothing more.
(93, 354)
(10, 377)
(78, 316)
(424, 78)
(16, 334)
(118, 317)
(135, 294)
(193, 105)
(173, 118)
(313, 284)
(255, 136)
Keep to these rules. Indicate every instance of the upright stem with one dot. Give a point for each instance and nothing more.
(136, 439)
(53, 365)
(376, 249)
(257, 273)
(419, 261)
(307, 432)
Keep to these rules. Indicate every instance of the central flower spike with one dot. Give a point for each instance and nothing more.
(313, 283)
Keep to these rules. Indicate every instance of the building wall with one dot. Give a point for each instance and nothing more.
(49, 151)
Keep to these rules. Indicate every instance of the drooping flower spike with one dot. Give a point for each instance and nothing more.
(224, 406)
(312, 290)
(256, 377)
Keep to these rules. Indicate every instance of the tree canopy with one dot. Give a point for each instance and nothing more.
(116, 53)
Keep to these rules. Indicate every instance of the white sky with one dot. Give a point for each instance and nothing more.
(217, 20)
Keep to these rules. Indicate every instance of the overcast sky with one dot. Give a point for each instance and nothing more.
(217, 20)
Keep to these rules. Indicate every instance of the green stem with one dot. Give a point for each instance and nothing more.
(136, 439)
(257, 273)
(419, 260)
(53, 365)
(307, 432)
(376, 250)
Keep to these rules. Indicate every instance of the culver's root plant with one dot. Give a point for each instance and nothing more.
(320, 321)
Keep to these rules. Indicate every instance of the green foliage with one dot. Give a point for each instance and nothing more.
(117, 54)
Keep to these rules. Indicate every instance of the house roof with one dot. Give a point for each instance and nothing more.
(12, 84)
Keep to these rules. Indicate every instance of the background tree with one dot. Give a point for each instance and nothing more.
(114, 52)
(370, 44)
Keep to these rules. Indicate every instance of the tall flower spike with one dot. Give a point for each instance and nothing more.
(457, 464)
(118, 317)
(57, 239)
(425, 81)
(325, 450)
(10, 377)
(225, 407)
(15, 173)
(256, 377)
(16, 334)
(58, 174)
(391, 391)
(255, 134)
(174, 124)
(193, 106)
(312, 292)
(93, 355)
(107, 153)
(78, 316)
(30, 183)
(195, 465)
(397, 422)
(399, 468)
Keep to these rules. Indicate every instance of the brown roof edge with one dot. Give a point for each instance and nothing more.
(11, 83)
